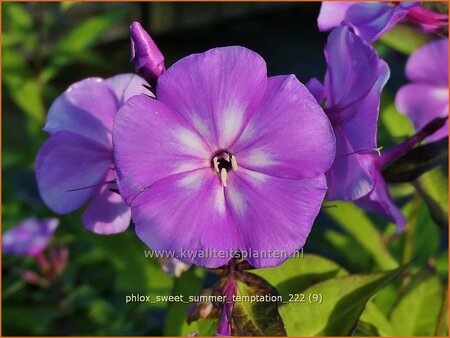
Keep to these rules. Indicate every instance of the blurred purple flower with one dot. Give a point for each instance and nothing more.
(76, 163)
(30, 237)
(427, 96)
(225, 159)
(352, 88)
(148, 59)
(370, 20)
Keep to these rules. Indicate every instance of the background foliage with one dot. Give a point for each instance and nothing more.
(373, 281)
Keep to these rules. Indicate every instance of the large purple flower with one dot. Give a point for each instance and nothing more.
(225, 159)
(351, 90)
(427, 96)
(30, 237)
(369, 19)
(76, 164)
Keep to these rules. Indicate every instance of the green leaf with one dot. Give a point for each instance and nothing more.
(343, 300)
(256, 318)
(88, 32)
(358, 225)
(296, 274)
(433, 187)
(417, 312)
(417, 161)
(373, 316)
(404, 39)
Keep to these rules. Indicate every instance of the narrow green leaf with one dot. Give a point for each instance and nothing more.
(259, 318)
(404, 39)
(88, 32)
(296, 274)
(417, 312)
(343, 300)
(358, 225)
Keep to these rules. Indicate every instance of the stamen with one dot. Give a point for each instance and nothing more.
(225, 156)
(233, 162)
(223, 177)
(216, 164)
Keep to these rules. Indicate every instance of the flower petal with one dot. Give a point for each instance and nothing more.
(107, 213)
(317, 89)
(125, 86)
(87, 108)
(152, 142)
(422, 103)
(30, 237)
(380, 201)
(332, 13)
(185, 215)
(289, 135)
(68, 167)
(272, 213)
(216, 91)
(349, 178)
(351, 58)
(373, 19)
(429, 63)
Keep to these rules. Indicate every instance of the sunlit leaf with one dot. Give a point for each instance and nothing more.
(296, 274)
(343, 300)
(417, 312)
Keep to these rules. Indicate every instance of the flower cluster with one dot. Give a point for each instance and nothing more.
(211, 153)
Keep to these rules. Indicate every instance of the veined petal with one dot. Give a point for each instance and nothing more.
(350, 58)
(379, 201)
(429, 64)
(87, 108)
(272, 213)
(422, 103)
(186, 214)
(216, 91)
(151, 142)
(349, 177)
(107, 213)
(68, 169)
(125, 86)
(30, 237)
(289, 135)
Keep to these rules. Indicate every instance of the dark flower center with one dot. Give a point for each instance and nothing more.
(222, 162)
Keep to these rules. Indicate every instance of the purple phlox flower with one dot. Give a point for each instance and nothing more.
(173, 266)
(379, 200)
(352, 87)
(370, 20)
(226, 159)
(427, 96)
(32, 238)
(148, 59)
(29, 238)
(229, 290)
(76, 163)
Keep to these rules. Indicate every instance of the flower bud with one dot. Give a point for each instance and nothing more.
(148, 60)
